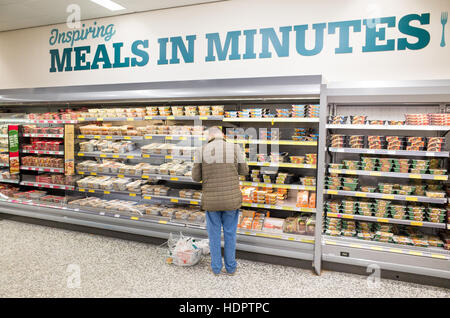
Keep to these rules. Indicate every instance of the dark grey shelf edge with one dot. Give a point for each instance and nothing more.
(276, 247)
(386, 260)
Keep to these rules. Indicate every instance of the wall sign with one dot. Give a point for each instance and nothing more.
(347, 40)
(274, 42)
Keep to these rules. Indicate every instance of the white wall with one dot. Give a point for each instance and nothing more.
(25, 58)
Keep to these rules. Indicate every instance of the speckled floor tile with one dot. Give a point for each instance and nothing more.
(34, 262)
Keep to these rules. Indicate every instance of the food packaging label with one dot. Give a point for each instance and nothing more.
(13, 145)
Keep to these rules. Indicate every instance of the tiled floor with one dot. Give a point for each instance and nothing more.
(37, 261)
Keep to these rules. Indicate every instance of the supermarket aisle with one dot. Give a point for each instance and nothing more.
(34, 262)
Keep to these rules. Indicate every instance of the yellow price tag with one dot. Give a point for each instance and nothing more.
(174, 200)
(148, 137)
(376, 248)
(108, 137)
(162, 222)
(91, 191)
(182, 138)
(416, 253)
(130, 118)
(80, 154)
(193, 202)
(115, 156)
(375, 174)
(106, 192)
(383, 220)
(169, 137)
(385, 196)
(170, 117)
(174, 179)
(134, 218)
(169, 157)
(147, 198)
(416, 223)
(438, 256)
(286, 208)
(99, 119)
(81, 136)
(203, 118)
(145, 177)
(127, 138)
(130, 157)
(146, 156)
(81, 190)
(102, 156)
(93, 173)
(291, 239)
(415, 176)
(332, 192)
(120, 176)
(97, 137)
(362, 195)
(332, 214)
(440, 177)
(411, 199)
(80, 118)
(148, 117)
(348, 216)
(80, 172)
(132, 194)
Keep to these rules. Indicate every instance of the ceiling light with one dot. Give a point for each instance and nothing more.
(108, 4)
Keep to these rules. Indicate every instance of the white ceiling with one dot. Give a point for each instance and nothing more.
(19, 14)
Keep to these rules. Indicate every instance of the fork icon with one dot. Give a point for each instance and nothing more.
(444, 18)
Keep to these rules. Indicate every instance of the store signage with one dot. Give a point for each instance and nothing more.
(13, 145)
(413, 30)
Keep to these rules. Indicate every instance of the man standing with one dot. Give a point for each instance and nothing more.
(218, 165)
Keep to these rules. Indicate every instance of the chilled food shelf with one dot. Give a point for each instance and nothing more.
(14, 181)
(43, 152)
(287, 207)
(42, 169)
(386, 220)
(101, 191)
(309, 240)
(47, 185)
(146, 176)
(280, 236)
(175, 137)
(281, 164)
(389, 174)
(443, 154)
(110, 137)
(273, 119)
(432, 252)
(275, 185)
(82, 119)
(169, 178)
(185, 158)
(36, 121)
(220, 118)
(117, 175)
(172, 199)
(411, 198)
(98, 154)
(389, 127)
(44, 135)
(275, 142)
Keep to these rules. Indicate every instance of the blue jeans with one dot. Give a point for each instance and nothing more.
(214, 223)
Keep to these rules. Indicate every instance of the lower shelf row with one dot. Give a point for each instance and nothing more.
(430, 252)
